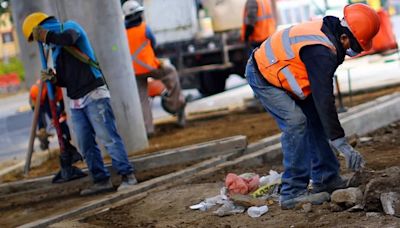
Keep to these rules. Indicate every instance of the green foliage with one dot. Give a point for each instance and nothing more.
(14, 65)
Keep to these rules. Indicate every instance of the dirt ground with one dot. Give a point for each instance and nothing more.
(170, 208)
(255, 124)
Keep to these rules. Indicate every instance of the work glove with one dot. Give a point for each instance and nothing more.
(48, 74)
(39, 34)
(354, 159)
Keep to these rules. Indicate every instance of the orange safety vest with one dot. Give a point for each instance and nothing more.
(34, 91)
(278, 58)
(265, 25)
(142, 54)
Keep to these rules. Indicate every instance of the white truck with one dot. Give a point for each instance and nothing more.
(203, 58)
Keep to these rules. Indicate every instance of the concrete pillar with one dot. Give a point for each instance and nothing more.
(28, 52)
(102, 20)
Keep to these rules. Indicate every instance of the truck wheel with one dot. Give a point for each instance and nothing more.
(212, 82)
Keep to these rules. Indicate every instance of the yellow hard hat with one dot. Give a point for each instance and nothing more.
(31, 21)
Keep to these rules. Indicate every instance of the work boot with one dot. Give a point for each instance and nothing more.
(335, 184)
(127, 182)
(181, 117)
(99, 187)
(315, 199)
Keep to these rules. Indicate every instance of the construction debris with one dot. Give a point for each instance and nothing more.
(391, 203)
(347, 197)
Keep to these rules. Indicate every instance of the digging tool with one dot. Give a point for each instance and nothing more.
(67, 171)
(34, 125)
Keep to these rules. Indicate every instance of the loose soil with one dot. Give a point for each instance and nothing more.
(170, 208)
(255, 124)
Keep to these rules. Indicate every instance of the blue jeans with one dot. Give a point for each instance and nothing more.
(97, 120)
(306, 150)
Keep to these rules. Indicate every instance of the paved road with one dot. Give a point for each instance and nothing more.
(14, 133)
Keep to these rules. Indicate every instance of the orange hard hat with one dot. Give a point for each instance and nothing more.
(363, 23)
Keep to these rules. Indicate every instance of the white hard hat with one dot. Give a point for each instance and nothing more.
(131, 7)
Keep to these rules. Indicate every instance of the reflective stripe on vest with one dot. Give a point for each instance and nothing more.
(143, 57)
(138, 61)
(286, 56)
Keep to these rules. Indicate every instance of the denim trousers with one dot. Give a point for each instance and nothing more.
(305, 146)
(96, 119)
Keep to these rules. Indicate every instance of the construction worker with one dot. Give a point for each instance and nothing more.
(258, 22)
(91, 112)
(145, 63)
(44, 110)
(291, 73)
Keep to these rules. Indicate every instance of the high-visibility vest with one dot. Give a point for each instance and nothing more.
(143, 57)
(265, 25)
(34, 92)
(278, 58)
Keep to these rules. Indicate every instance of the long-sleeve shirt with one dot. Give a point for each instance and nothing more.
(321, 64)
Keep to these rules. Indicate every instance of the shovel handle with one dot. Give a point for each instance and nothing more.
(52, 101)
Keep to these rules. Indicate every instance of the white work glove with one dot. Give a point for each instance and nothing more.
(354, 159)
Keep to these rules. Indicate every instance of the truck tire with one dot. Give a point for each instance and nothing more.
(212, 82)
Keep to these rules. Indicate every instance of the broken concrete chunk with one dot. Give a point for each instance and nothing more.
(391, 203)
(383, 182)
(347, 197)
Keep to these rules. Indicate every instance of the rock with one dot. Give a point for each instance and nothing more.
(307, 207)
(391, 203)
(383, 182)
(335, 208)
(347, 197)
(247, 200)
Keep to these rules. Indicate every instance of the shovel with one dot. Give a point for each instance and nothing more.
(67, 172)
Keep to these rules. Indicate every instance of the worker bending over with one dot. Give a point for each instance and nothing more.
(291, 73)
(91, 112)
(145, 64)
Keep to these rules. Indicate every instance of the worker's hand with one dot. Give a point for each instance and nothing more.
(39, 34)
(48, 74)
(354, 159)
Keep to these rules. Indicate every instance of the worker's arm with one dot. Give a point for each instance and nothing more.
(151, 37)
(66, 38)
(251, 17)
(321, 65)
